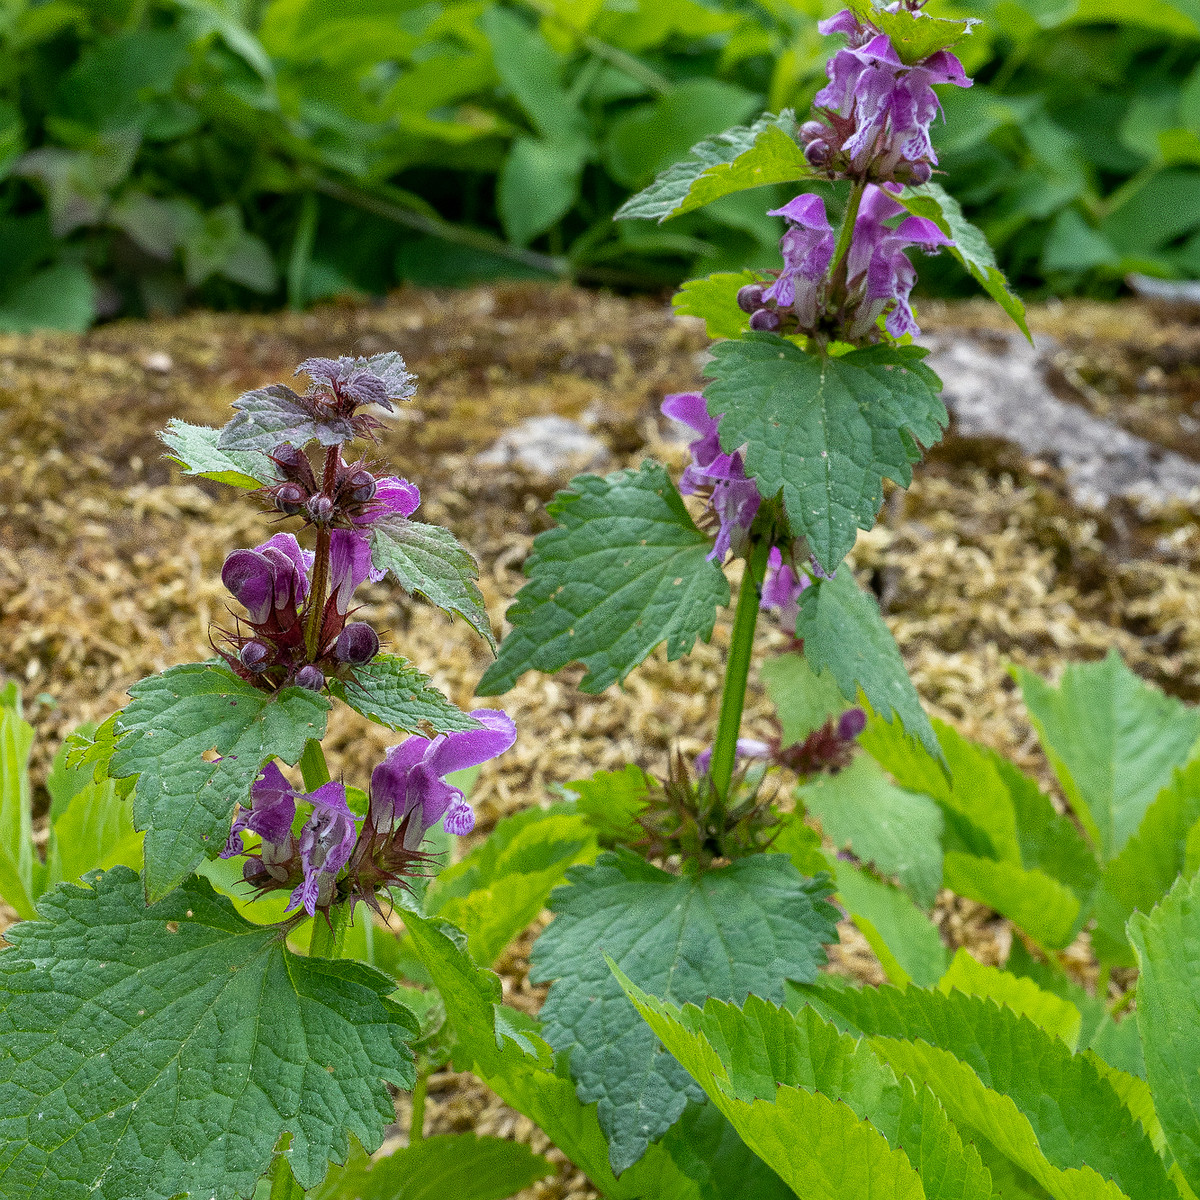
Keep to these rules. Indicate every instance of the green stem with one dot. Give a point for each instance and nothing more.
(737, 667)
(329, 936)
(313, 767)
(846, 233)
(283, 1182)
(416, 1128)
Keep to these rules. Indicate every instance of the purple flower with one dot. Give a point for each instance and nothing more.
(326, 842)
(878, 269)
(271, 577)
(410, 782)
(782, 587)
(272, 808)
(746, 748)
(350, 551)
(807, 247)
(735, 498)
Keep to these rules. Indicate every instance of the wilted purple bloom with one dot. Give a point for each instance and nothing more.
(377, 380)
(411, 778)
(735, 498)
(326, 842)
(350, 551)
(272, 576)
(272, 808)
(746, 748)
(877, 266)
(807, 247)
(782, 587)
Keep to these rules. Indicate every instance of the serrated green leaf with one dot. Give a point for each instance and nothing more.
(803, 700)
(801, 843)
(1000, 1077)
(897, 831)
(743, 928)
(610, 801)
(801, 1095)
(1113, 741)
(428, 559)
(1148, 865)
(95, 831)
(714, 299)
(970, 246)
(273, 414)
(94, 749)
(844, 633)
(774, 157)
(824, 431)
(1167, 942)
(63, 781)
(1046, 1010)
(502, 885)
(194, 448)
(914, 35)
(666, 195)
(162, 1052)
(625, 569)
(183, 802)
(17, 859)
(391, 691)
(906, 942)
(462, 1165)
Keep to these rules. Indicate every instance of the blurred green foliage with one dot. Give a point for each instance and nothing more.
(242, 153)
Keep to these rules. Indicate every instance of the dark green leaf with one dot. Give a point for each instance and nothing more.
(625, 569)
(60, 297)
(391, 691)
(538, 185)
(184, 802)
(824, 431)
(714, 299)
(428, 559)
(743, 928)
(667, 193)
(194, 447)
(844, 633)
(273, 414)
(970, 246)
(154, 1052)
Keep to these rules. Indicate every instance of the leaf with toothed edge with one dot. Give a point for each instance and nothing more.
(390, 691)
(195, 449)
(270, 415)
(161, 1052)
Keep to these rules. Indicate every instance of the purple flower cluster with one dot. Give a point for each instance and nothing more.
(733, 499)
(782, 587)
(409, 795)
(827, 749)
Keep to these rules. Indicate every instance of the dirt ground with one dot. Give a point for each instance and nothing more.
(109, 560)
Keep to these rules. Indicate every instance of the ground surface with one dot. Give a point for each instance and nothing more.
(109, 561)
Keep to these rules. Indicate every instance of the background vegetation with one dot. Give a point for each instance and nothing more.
(235, 153)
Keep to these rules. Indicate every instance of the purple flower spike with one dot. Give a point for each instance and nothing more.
(411, 779)
(746, 748)
(735, 498)
(326, 842)
(272, 809)
(807, 247)
(782, 587)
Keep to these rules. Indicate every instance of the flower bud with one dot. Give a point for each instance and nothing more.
(851, 723)
(811, 130)
(919, 173)
(765, 320)
(362, 486)
(289, 498)
(357, 643)
(254, 656)
(817, 153)
(310, 677)
(320, 509)
(749, 298)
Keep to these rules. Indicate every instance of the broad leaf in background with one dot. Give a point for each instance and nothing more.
(95, 830)
(714, 300)
(1150, 862)
(461, 1165)
(273, 414)
(844, 633)
(906, 942)
(625, 569)
(392, 692)
(970, 246)
(897, 831)
(1168, 1016)
(824, 431)
(610, 801)
(915, 35)
(19, 864)
(194, 448)
(1113, 741)
(428, 559)
(164, 1050)
(803, 700)
(801, 1095)
(1000, 1077)
(501, 886)
(184, 802)
(745, 928)
(666, 195)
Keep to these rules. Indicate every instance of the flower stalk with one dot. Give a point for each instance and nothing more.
(846, 233)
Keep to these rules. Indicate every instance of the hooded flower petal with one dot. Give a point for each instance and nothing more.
(807, 247)
(349, 565)
(326, 843)
(272, 809)
(250, 576)
(746, 748)
(782, 587)
(301, 559)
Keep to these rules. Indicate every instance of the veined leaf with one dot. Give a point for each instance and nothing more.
(94, 831)
(625, 569)
(803, 700)
(1113, 741)
(1167, 942)
(184, 802)
(610, 801)
(970, 247)
(715, 300)
(915, 35)
(17, 859)
(391, 691)
(269, 415)
(743, 928)
(194, 448)
(666, 195)
(824, 431)
(844, 633)
(428, 559)
(162, 1051)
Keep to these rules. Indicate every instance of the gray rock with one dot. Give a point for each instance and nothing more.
(997, 388)
(549, 445)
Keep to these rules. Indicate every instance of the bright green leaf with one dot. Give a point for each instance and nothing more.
(775, 157)
(94, 831)
(803, 700)
(914, 35)
(611, 800)
(194, 447)
(714, 299)
(17, 858)
(538, 184)
(391, 691)
(625, 569)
